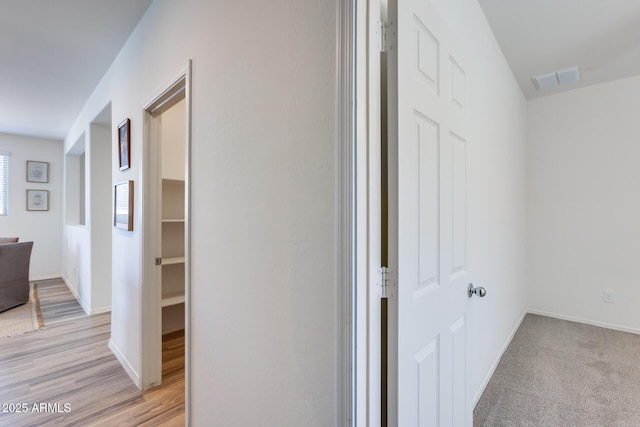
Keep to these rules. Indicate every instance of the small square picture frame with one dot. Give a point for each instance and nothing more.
(124, 144)
(37, 200)
(37, 171)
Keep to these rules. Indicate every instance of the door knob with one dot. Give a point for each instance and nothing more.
(480, 291)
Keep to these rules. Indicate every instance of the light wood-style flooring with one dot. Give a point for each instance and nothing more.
(65, 375)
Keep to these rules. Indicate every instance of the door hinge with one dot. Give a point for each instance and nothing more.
(158, 261)
(387, 34)
(386, 285)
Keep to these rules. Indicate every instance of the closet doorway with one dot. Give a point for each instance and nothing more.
(172, 237)
(166, 201)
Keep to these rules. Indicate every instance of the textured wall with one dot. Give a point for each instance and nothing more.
(43, 228)
(263, 320)
(584, 233)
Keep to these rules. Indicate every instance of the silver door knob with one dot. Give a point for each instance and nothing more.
(480, 291)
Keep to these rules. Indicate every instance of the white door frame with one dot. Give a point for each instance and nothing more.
(390, 20)
(151, 310)
(367, 200)
(345, 218)
(357, 221)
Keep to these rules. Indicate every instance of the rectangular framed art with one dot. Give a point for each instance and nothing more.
(37, 171)
(123, 206)
(124, 144)
(37, 200)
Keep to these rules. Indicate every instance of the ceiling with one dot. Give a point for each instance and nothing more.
(53, 53)
(542, 36)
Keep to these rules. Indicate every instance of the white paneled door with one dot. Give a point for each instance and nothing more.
(432, 142)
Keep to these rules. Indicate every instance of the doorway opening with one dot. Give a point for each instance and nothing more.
(172, 237)
(166, 231)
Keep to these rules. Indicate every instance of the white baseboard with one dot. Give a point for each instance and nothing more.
(84, 306)
(45, 277)
(88, 310)
(494, 366)
(100, 310)
(124, 362)
(585, 321)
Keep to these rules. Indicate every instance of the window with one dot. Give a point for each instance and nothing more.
(4, 184)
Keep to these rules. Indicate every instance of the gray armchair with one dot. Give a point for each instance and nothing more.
(14, 274)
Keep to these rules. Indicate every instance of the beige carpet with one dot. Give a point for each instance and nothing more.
(24, 318)
(557, 373)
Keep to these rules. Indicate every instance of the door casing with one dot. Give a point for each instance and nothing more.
(178, 88)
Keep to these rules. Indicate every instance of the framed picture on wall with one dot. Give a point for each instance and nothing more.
(37, 171)
(37, 200)
(123, 206)
(124, 144)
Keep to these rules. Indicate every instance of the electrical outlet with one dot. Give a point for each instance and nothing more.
(608, 296)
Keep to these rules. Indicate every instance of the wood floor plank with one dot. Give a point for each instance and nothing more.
(68, 363)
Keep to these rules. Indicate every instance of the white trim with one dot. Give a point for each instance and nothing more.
(585, 321)
(83, 304)
(494, 366)
(151, 355)
(361, 306)
(368, 225)
(150, 294)
(4, 191)
(187, 246)
(124, 362)
(45, 277)
(390, 75)
(345, 207)
(87, 309)
(100, 310)
(360, 392)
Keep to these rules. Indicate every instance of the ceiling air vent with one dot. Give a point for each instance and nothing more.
(568, 75)
(545, 81)
(550, 80)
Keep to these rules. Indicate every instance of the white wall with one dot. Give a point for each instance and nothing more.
(101, 216)
(172, 132)
(76, 251)
(86, 256)
(497, 184)
(584, 209)
(263, 298)
(43, 228)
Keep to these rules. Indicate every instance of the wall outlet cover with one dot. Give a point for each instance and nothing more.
(608, 296)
